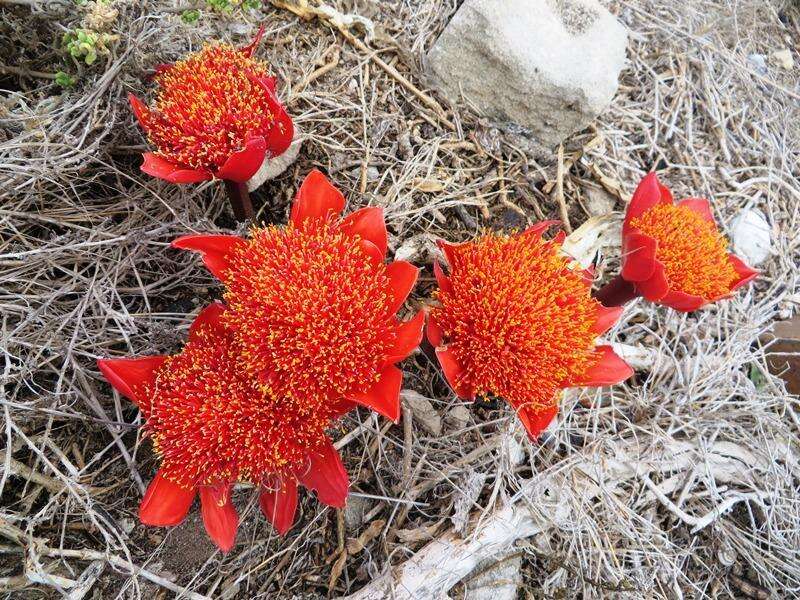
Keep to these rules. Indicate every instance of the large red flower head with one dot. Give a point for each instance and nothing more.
(213, 425)
(313, 304)
(673, 253)
(216, 115)
(515, 319)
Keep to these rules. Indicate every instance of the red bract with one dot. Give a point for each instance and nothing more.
(313, 304)
(216, 115)
(673, 254)
(213, 425)
(516, 320)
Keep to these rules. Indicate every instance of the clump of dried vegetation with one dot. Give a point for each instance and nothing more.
(683, 482)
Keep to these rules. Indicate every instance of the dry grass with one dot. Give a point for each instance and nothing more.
(85, 271)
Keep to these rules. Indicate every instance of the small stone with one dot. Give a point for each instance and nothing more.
(598, 201)
(784, 59)
(758, 62)
(498, 582)
(548, 66)
(458, 417)
(751, 236)
(423, 411)
(355, 511)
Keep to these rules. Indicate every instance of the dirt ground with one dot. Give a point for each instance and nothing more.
(86, 271)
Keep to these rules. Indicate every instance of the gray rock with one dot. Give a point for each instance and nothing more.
(548, 66)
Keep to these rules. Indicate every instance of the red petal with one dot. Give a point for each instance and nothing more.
(368, 224)
(326, 476)
(165, 503)
(539, 228)
(453, 374)
(638, 255)
(409, 335)
(242, 165)
(342, 407)
(208, 318)
(682, 302)
(608, 370)
(433, 332)
(161, 68)
(536, 422)
(402, 277)
(125, 374)
(215, 250)
(316, 198)
(647, 195)
(219, 515)
(746, 274)
(449, 250)
(560, 237)
(279, 504)
(384, 396)
(700, 206)
(163, 169)
(281, 134)
(656, 287)
(140, 110)
(443, 280)
(251, 47)
(606, 317)
(373, 252)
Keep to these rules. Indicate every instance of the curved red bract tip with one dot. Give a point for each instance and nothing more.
(165, 503)
(384, 396)
(316, 198)
(216, 250)
(609, 369)
(369, 224)
(127, 375)
(326, 476)
(219, 515)
(241, 166)
(402, 278)
(168, 171)
(278, 502)
(208, 317)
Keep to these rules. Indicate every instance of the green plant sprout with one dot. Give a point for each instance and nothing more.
(86, 45)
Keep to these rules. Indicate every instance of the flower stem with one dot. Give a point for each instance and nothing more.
(616, 292)
(239, 197)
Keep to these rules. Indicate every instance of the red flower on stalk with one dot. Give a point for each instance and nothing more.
(216, 115)
(313, 304)
(673, 254)
(213, 425)
(515, 319)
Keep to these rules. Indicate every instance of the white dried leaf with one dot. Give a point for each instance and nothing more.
(466, 495)
(584, 243)
(751, 235)
(272, 167)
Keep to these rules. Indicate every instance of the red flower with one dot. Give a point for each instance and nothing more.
(673, 254)
(216, 115)
(516, 320)
(313, 305)
(213, 425)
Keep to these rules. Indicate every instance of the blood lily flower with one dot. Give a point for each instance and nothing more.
(313, 304)
(216, 115)
(673, 253)
(213, 425)
(515, 319)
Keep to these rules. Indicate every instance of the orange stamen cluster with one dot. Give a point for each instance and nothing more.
(518, 319)
(691, 249)
(207, 106)
(311, 310)
(211, 423)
